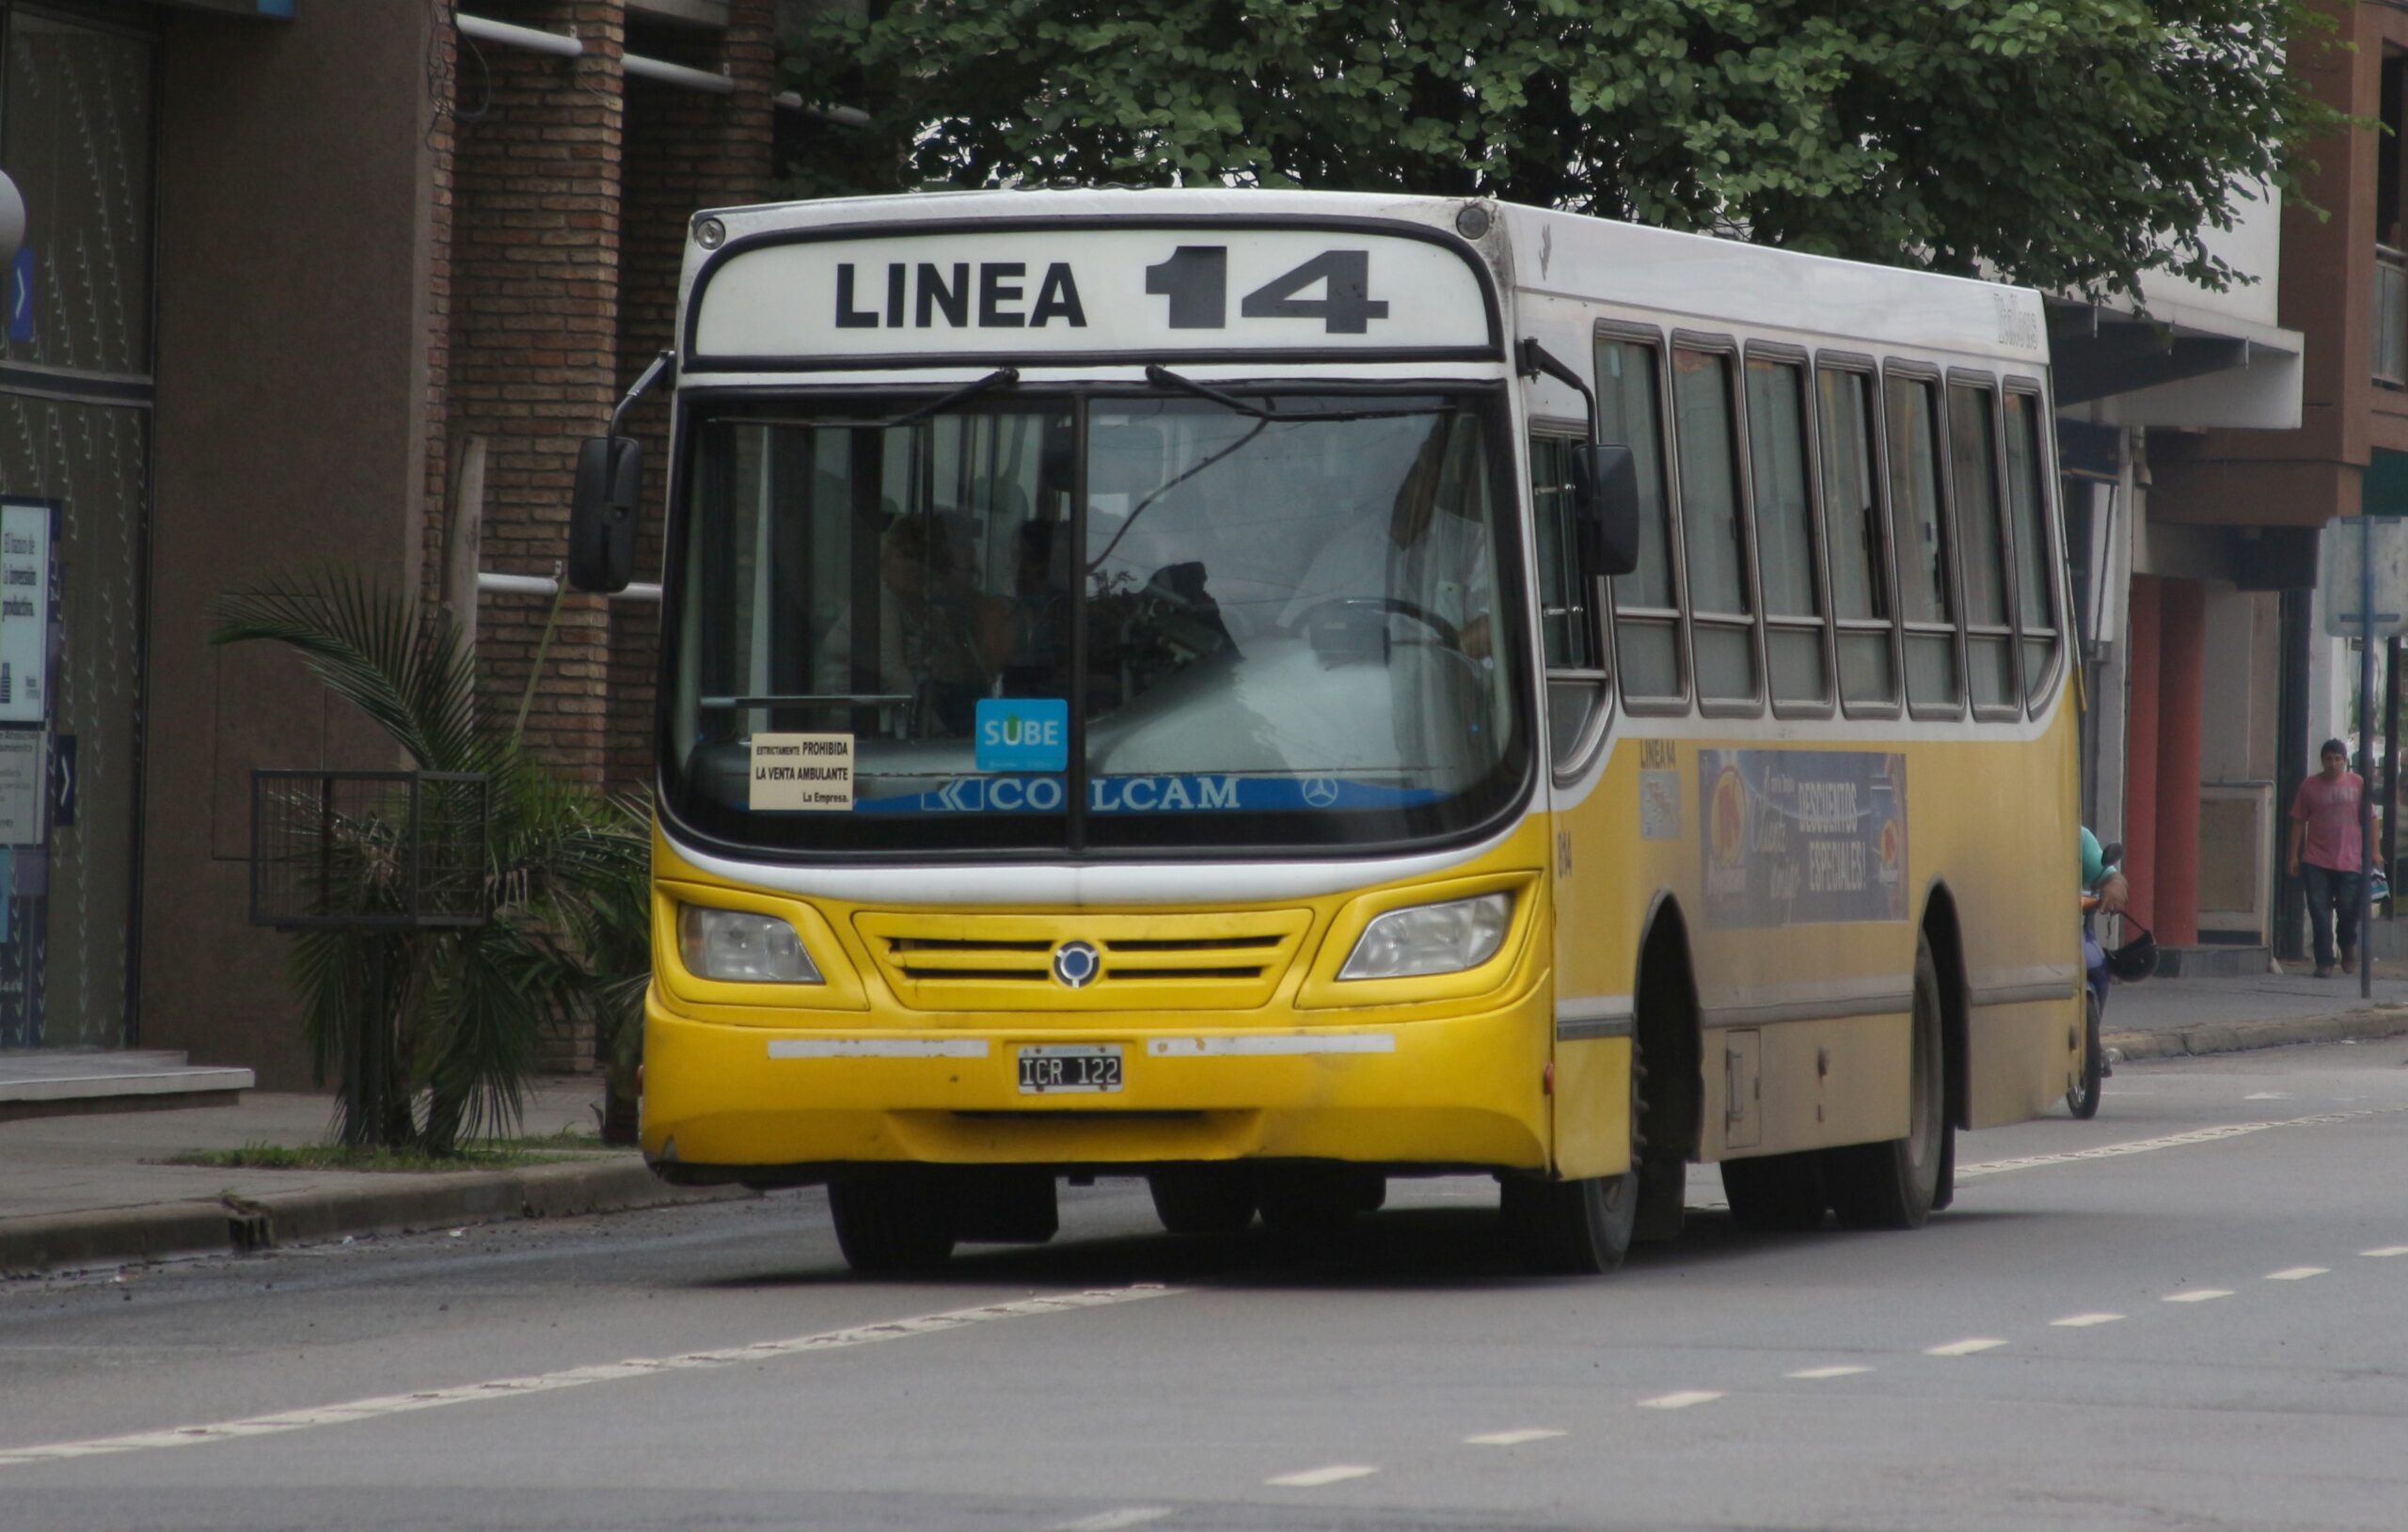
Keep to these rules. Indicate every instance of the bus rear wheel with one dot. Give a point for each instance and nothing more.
(1203, 1199)
(893, 1218)
(1896, 1184)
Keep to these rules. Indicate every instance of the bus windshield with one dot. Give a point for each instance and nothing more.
(1095, 621)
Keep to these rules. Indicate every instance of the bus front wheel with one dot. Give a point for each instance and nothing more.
(1571, 1228)
(894, 1218)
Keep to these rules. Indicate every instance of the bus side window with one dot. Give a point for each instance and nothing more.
(2028, 507)
(1925, 587)
(1852, 524)
(1575, 667)
(1647, 627)
(1714, 536)
(1989, 620)
(1786, 531)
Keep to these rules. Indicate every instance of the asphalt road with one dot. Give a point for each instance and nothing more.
(2188, 1313)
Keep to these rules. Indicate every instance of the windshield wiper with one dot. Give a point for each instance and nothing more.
(1165, 378)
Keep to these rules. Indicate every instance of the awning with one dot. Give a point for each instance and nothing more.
(2157, 370)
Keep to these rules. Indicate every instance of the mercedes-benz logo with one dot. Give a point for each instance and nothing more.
(1077, 963)
(1320, 792)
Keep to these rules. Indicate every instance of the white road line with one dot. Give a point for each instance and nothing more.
(2198, 1295)
(1113, 1520)
(1313, 1479)
(1681, 1400)
(2297, 1273)
(1817, 1374)
(1964, 1347)
(2083, 1321)
(336, 1415)
(1534, 1433)
(2171, 1140)
(2385, 1249)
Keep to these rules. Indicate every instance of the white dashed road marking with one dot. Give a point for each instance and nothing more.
(2386, 1250)
(1681, 1400)
(1964, 1347)
(2297, 1273)
(1113, 1520)
(1535, 1433)
(1817, 1374)
(2171, 1140)
(2083, 1321)
(1313, 1479)
(2198, 1295)
(637, 1366)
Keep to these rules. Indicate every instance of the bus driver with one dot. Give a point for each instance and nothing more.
(1426, 557)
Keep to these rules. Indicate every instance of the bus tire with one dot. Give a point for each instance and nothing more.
(1776, 1193)
(897, 1218)
(1571, 1228)
(2082, 1098)
(1894, 1185)
(1203, 1199)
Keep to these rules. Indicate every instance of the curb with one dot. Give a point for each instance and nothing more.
(2234, 1036)
(396, 1204)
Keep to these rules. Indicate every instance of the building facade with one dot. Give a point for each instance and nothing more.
(309, 282)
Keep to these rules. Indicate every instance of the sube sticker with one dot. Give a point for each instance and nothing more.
(1022, 733)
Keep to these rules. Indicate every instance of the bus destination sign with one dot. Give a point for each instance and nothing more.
(1025, 293)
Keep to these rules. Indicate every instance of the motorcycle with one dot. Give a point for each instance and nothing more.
(2135, 960)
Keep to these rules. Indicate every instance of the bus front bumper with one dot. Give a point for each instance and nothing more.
(769, 1105)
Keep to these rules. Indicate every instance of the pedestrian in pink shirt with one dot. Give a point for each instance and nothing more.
(2326, 853)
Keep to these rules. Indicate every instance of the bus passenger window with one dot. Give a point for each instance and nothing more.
(2028, 504)
(1646, 613)
(1575, 673)
(1923, 546)
(1714, 537)
(1786, 531)
(1989, 636)
(1852, 512)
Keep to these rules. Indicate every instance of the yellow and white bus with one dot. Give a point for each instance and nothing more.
(1274, 691)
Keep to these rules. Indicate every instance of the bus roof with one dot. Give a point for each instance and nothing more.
(1695, 279)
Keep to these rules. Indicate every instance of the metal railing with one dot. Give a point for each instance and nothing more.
(2391, 316)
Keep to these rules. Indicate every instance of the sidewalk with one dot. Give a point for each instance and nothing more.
(2169, 1017)
(86, 1190)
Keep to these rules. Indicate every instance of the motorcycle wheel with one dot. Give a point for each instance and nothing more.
(2083, 1099)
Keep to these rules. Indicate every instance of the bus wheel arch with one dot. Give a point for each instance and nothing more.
(1668, 1052)
(1941, 929)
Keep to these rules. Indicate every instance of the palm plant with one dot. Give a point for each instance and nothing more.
(565, 874)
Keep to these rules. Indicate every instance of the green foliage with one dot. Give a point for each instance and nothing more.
(2074, 145)
(566, 874)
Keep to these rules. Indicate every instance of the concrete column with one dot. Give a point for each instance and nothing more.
(2181, 685)
(2141, 745)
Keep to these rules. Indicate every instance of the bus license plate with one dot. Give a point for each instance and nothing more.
(1069, 1069)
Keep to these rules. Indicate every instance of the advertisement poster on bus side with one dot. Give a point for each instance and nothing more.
(1803, 837)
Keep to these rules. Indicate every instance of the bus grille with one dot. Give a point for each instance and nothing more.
(1147, 962)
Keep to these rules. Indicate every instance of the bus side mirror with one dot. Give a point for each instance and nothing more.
(602, 514)
(1604, 504)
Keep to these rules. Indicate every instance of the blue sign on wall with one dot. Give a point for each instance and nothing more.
(1022, 733)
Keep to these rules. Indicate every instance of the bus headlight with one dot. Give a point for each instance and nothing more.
(740, 945)
(1430, 939)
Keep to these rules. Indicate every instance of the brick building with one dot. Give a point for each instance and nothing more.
(311, 281)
